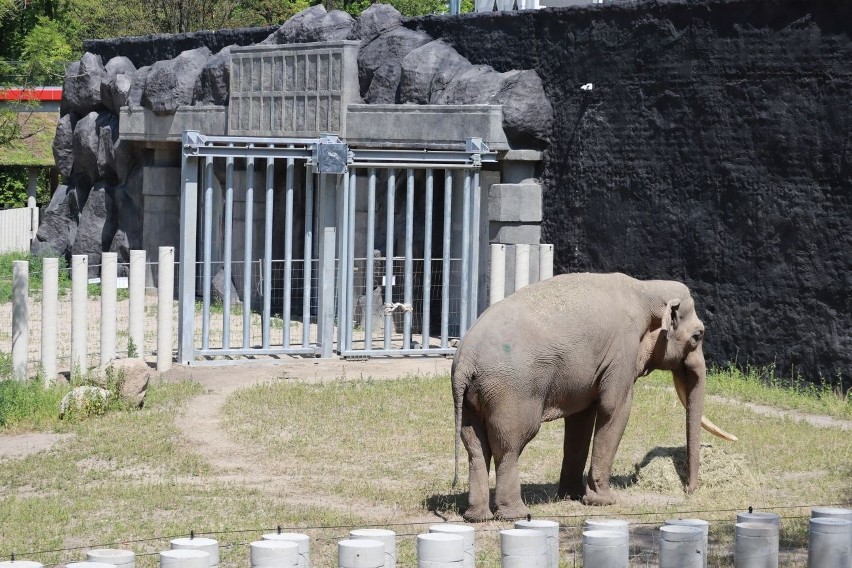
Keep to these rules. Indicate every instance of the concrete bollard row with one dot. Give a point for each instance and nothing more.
(551, 532)
(113, 556)
(756, 544)
(468, 535)
(302, 540)
(386, 537)
(49, 311)
(136, 293)
(606, 548)
(184, 558)
(523, 548)
(208, 545)
(829, 542)
(697, 523)
(682, 546)
(79, 314)
(274, 554)
(440, 550)
(360, 553)
(109, 301)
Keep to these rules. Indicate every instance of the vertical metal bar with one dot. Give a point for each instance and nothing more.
(465, 279)
(288, 249)
(186, 267)
(371, 243)
(165, 303)
(327, 291)
(267, 250)
(350, 257)
(408, 290)
(474, 249)
(389, 257)
(445, 275)
(247, 252)
(79, 315)
(427, 259)
(208, 252)
(229, 229)
(342, 265)
(309, 236)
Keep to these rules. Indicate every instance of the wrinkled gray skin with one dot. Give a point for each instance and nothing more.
(570, 347)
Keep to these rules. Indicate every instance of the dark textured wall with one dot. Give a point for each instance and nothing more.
(715, 148)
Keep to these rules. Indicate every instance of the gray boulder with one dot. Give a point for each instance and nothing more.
(131, 377)
(384, 88)
(213, 84)
(171, 83)
(57, 227)
(527, 114)
(91, 239)
(127, 218)
(121, 246)
(81, 90)
(376, 20)
(63, 145)
(313, 24)
(476, 85)
(116, 82)
(137, 86)
(217, 291)
(387, 52)
(83, 402)
(94, 137)
(427, 70)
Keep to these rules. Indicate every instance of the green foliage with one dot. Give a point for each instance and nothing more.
(132, 351)
(26, 405)
(14, 181)
(35, 269)
(43, 47)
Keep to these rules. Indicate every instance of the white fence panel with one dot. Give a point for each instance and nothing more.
(17, 229)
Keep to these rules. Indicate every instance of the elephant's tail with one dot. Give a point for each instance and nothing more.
(460, 383)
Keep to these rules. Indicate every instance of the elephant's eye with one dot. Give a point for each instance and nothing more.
(696, 337)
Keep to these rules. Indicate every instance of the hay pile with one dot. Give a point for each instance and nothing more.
(664, 470)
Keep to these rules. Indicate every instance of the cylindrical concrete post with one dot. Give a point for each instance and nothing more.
(606, 548)
(551, 531)
(165, 307)
(208, 545)
(545, 262)
(523, 548)
(136, 316)
(830, 542)
(388, 538)
(759, 517)
(303, 540)
(834, 513)
(617, 525)
(756, 545)
(681, 547)
(21, 564)
(360, 553)
(20, 318)
(79, 314)
(522, 266)
(109, 298)
(49, 311)
(498, 273)
(274, 554)
(440, 550)
(468, 535)
(699, 523)
(184, 558)
(114, 556)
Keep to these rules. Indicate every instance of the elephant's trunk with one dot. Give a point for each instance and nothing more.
(705, 422)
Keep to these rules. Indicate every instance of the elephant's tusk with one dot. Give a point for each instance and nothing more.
(705, 422)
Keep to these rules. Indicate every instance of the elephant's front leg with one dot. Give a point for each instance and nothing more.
(613, 413)
(578, 437)
(509, 430)
(479, 460)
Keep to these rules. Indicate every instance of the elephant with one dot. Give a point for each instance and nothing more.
(571, 347)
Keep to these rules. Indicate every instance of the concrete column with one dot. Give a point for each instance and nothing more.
(498, 273)
(756, 545)
(699, 523)
(522, 266)
(830, 542)
(468, 535)
(361, 553)
(834, 513)
(165, 307)
(303, 540)
(274, 554)
(208, 545)
(79, 314)
(440, 550)
(32, 186)
(551, 531)
(20, 318)
(759, 517)
(136, 317)
(49, 311)
(184, 558)
(386, 537)
(109, 276)
(115, 556)
(605, 549)
(681, 547)
(523, 548)
(545, 262)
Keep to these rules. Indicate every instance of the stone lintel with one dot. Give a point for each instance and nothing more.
(515, 202)
(138, 123)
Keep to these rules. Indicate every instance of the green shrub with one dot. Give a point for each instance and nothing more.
(28, 405)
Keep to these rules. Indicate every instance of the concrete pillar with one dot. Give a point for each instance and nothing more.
(303, 540)
(184, 558)
(756, 545)
(681, 547)
(523, 548)
(49, 311)
(79, 314)
(165, 307)
(834, 513)
(273, 554)
(440, 550)
(551, 531)
(361, 553)
(468, 535)
(20, 318)
(498, 273)
(759, 517)
(208, 545)
(32, 186)
(386, 537)
(830, 542)
(114, 556)
(109, 282)
(699, 523)
(545, 262)
(522, 266)
(605, 549)
(136, 316)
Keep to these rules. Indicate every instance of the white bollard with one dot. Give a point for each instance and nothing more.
(833, 512)
(468, 535)
(388, 538)
(136, 316)
(699, 523)
(360, 553)
(830, 542)
(606, 548)
(208, 545)
(303, 540)
(759, 517)
(545, 262)
(498, 273)
(20, 318)
(274, 554)
(114, 556)
(440, 550)
(522, 266)
(49, 311)
(21, 564)
(165, 307)
(756, 545)
(79, 314)
(551, 531)
(87, 564)
(109, 289)
(523, 548)
(681, 547)
(617, 525)
(184, 558)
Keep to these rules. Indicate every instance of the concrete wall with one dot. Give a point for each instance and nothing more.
(713, 148)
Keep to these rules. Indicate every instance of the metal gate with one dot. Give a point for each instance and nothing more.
(293, 230)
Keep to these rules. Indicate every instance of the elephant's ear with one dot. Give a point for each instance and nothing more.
(671, 318)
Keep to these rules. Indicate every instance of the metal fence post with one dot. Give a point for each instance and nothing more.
(165, 309)
(20, 318)
(109, 276)
(186, 267)
(136, 317)
(79, 314)
(49, 310)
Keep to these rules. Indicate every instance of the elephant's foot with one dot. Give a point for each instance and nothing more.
(598, 498)
(574, 492)
(477, 515)
(511, 512)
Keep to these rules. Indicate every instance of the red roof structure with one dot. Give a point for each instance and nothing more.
(31, 94)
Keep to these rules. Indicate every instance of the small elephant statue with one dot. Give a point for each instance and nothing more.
(571, 347)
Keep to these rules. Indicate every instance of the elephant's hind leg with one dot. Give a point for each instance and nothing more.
(509, 431)
(610, 422)
(479, 461)
(578, 437)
